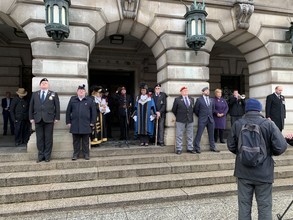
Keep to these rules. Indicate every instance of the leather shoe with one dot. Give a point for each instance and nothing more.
(191, 151)
(222, 141)
(179, 152)
(74, 158)
(197, 151)
(38, 161)
(215, 150)
(47, 160)
(86, 157)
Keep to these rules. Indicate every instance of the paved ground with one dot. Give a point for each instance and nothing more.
(224, 208)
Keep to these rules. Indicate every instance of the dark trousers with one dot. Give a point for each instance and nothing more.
(219, 133)
(234, 118)
(263, 195)
(44, 134)
(201, 126)
(161, 128)
(6, 118)
(22, 131)
(81, 141)
(124, 127)
(144, 139)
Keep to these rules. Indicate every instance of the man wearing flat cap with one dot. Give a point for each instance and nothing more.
(160, 99)
(19, 109)
(182, 109)
(81, 117)
(44, 111)
(203, 109)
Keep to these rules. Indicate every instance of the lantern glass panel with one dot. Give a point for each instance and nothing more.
(63, 16)
(49, 14)
(56, 14)
(199, 28)
(193, 27)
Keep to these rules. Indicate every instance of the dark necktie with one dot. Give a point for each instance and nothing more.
(43, 97)
(186, 102)
(207, 101)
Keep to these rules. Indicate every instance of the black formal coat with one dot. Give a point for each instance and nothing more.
(276, 110)
(81, 114)
(48, 111)
(236, 106)
(19, 109)
(160, 102)
(183, 114)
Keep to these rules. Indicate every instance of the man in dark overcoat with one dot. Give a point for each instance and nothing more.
(203, 109)
(182, 109)
(44, 112)
(160, 99)
(275, 107)
(236, 103)
(81, 117)
(124, 102)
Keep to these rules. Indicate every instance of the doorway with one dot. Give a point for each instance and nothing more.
(112, 80)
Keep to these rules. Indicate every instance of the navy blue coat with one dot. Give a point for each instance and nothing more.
(80, 114)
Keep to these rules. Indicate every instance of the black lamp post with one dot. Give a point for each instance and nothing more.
(57, 25)
(289, 35)
(196, 25)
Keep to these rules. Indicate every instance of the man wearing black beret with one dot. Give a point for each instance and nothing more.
(203, 109)
(44, 111)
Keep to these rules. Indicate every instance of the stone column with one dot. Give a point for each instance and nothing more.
(179, 68)
(65, 67)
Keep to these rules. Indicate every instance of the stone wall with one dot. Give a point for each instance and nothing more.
(161, 26)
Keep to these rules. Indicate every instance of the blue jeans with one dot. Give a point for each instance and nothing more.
(263, 195)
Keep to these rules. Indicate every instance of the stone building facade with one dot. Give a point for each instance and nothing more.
(246, 48)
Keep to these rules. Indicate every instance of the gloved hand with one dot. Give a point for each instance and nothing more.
(152, 117)
(135, 118)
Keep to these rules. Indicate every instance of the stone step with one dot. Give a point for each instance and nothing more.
(129, 198)
(53, 174)
(31, 165)
(111, 150)
(122, 185)
(21, 166)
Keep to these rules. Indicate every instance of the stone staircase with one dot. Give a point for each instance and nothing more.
(119, 176)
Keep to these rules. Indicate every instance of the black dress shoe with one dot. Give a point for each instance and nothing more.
(198, 151)
(86, 157)
(222, 141)
(191, 151)
(74, 158)
(161, 144)
(179, 152)
(215, 150)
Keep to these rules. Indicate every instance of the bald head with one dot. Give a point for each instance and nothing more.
(278, 90)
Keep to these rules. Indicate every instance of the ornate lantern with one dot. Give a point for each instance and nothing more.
(196, 25)
(57, 25)
(289, 35)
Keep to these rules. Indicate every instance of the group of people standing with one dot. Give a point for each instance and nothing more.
(86, 116)
(211, 114)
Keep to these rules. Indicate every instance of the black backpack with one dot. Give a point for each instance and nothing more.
(252, 149)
